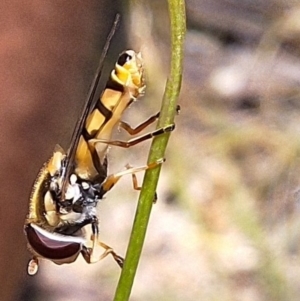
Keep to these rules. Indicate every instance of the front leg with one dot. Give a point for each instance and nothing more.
(89, 253)
(89, 256)
(70, 228)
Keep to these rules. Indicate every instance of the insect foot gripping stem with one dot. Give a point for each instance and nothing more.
(135, 181)
(136, 140)
(112, 179)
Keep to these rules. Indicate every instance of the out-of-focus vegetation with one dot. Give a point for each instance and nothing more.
(231, 176)
(226, 224)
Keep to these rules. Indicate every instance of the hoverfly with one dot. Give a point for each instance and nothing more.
(70, 184)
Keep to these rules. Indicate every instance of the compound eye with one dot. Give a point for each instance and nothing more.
(124, 58)
(50, 245)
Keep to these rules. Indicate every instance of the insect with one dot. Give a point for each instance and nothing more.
(70, 184)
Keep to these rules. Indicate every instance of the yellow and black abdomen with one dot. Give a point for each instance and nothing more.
(125, 85)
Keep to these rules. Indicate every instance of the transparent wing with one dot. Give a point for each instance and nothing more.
(81, 121)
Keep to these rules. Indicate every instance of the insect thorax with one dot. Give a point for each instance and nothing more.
(52, 209)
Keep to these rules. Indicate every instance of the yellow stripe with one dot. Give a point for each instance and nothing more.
(98, 126)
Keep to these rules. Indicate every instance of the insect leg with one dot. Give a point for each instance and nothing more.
(136, 185)
(89, 253)
(70, 228)
(137, 140)
(112, 179)
(108, 250)
(134, 179)
(142, 126)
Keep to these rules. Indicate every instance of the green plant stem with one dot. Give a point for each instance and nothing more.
(157, 151)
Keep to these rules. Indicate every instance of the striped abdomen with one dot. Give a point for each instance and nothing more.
(125, 84)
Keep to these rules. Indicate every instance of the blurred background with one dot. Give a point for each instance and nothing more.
(226, 225)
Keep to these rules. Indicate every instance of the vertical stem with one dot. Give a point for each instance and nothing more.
(168, 111)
